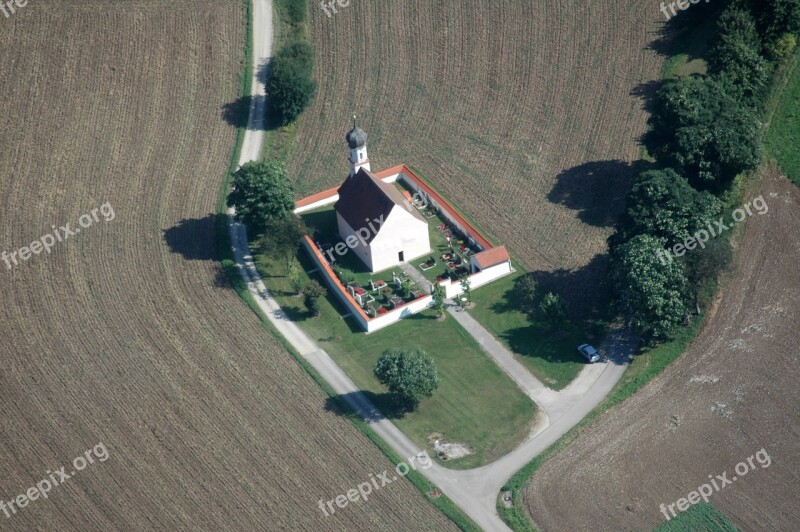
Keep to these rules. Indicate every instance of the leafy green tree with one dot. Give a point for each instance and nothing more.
(652, 295)
(553, 310)
(282, 238)
(290, 88)
(295, 279)
(312, 291)
(736, 57)
(704, 132)
(438, 294)
(661, 203)
(526, 292)
(703, 265)
(261, 194)
(409, 373)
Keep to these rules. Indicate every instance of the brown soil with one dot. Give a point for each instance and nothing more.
(127, 334)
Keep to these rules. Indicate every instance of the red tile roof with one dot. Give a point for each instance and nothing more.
(491, 257)
(363, 198)
(473, 232)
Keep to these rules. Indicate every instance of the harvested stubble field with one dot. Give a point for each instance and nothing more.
(525, 114)
(127, 334)
(732, 393)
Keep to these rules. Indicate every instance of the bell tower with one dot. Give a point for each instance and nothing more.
(357, 142)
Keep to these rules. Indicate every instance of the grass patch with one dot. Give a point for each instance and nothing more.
(552, 356)
(783, 136)
(701, 516)
(476, 403)
(689, 51)
(644, 367)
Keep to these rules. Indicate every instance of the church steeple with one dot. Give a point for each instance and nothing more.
(357, 143)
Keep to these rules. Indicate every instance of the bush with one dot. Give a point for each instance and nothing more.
(784, 47)
(553, 310)
(311, 294)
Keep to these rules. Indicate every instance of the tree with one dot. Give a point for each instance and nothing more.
(466, 289)
(553, 310)
(405, 288)
(526, 292)
(289, 84)
(311, 294)
(282, 238)
(295, 280)
(703, 131)
(704, 265)
(736, 56)
(409, 373)
(652, 295)
(261, 194)
(438, 294)
(661, 203)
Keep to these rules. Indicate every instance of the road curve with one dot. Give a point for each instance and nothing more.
(474, 491)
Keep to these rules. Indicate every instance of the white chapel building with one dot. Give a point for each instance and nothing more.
(377, 213)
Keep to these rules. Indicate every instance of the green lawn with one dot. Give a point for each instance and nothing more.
(783, 136)
(551, 356)
(476, 404)
(700, 517)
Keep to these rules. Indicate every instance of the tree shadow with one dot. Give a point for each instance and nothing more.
(596, 189)
(195, 238)
(237, 112)
(519, 340)
(646, 92)
(387, 406)
(586, 291)
(671, 34)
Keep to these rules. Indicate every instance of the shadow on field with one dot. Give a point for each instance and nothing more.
(195, 238)
(237, 112)
(386, 404)
(596, 189)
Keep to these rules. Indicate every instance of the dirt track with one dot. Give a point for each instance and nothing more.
(734, 392)
(124, 334)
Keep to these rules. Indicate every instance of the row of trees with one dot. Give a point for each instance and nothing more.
(264, 201)
(704, 131)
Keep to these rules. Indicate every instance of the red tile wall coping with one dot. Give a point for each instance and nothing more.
(401, 168)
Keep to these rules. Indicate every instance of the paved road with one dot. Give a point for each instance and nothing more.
(474, 491)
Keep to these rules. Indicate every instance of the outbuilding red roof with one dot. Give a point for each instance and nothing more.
(491, 257)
